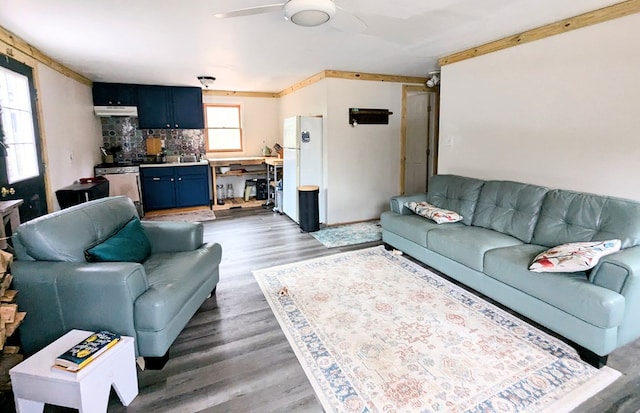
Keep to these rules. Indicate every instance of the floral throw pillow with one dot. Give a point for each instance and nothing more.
(577, 256)
(438, 215)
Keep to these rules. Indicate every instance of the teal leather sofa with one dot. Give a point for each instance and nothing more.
(151, 301)
(505, 225)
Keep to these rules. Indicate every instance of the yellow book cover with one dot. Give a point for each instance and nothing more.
(87, 350)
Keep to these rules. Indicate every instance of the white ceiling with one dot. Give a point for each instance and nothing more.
(170, 42)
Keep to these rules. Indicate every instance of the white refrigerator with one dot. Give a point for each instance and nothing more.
(302, 162)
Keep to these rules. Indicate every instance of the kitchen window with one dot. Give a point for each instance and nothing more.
(19, 139)
(223, 128)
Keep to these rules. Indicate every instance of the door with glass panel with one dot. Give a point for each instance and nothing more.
(21, 164)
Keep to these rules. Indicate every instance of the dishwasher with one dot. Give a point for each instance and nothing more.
(124, 179)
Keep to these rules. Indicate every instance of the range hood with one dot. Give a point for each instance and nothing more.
(106, 111)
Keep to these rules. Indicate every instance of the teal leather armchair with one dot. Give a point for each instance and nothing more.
(151, 301)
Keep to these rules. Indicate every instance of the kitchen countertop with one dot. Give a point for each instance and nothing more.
(247, 160)
(164, 165)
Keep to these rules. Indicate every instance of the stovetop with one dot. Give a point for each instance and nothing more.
(117, 164)
(116, 168)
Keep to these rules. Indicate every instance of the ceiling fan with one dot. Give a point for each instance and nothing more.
(307, 13)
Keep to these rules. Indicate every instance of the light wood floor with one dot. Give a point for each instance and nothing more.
(233, 357)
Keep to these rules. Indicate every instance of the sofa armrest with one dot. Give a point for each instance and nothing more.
(60, 296)
(397, 202)
(615, 271)
(621, 272)
(170, 236)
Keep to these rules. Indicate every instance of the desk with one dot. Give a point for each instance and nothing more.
(11, 216)
(78, 193)
(35, 381)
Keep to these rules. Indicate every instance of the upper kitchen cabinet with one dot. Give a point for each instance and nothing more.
(165, 107)
(115, 94)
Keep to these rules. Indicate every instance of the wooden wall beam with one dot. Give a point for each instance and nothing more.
(587, 19)
(339, 74)
(306, 82)
(206, 92)
(374, 77)
(15, 47)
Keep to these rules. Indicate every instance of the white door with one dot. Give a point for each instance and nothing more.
(290, 183)
(417, 154)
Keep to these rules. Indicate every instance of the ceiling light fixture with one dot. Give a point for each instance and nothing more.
(309, 13)
(433, 78)
(206, 80)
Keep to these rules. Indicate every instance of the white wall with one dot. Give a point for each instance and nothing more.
(364, 161)
(259, 123)
(560, 112)
(72, 134)
(362, 164)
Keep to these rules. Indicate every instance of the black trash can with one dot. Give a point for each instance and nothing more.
(308, 208)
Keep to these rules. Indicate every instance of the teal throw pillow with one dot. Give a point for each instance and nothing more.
(130, 244)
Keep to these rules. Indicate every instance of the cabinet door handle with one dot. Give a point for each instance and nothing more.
(179, 179)
(156, 179)
(177, 125)
(171, 179)
(168, 126)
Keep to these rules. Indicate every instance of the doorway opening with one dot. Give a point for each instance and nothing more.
(419, 138)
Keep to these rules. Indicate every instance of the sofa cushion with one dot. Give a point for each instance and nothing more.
(568, 216)
(411, 227)
(455, 193)
(435, 214)
(576, 256)
(130, 244)
(570, 292)
(509, 207)
(174, 278)
(74, 230)
(467, 245)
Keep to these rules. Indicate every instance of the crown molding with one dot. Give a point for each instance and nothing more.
(604, 14)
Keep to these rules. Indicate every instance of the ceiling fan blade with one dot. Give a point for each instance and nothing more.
(347, 22)
(269, 8)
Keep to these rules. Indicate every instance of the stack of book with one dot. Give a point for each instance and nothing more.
(86, 351)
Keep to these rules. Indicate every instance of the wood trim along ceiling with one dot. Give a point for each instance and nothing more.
(206, 92)
(338, 74)
(17, 48)
(604, 14)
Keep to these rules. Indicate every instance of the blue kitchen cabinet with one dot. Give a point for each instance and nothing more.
(158, 188)
(175, 186)
(114, 94)
(188, 111)
(166, 107)
(192, 185)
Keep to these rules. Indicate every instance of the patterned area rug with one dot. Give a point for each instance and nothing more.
(376, 332)
(349, 234)
(193, 216)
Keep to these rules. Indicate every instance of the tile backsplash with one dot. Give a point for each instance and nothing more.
(119, 130)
